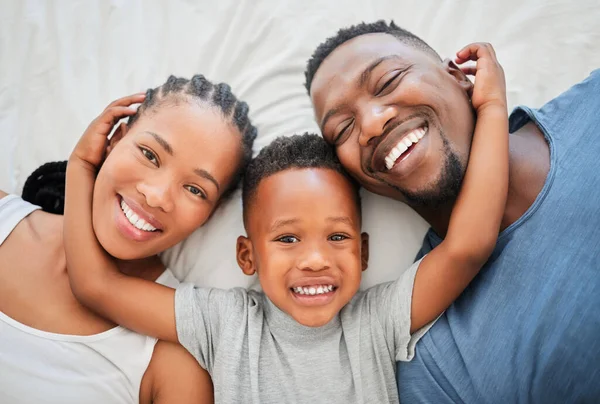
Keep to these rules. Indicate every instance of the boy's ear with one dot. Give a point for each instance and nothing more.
(244, 255)
(364, 251)
(116, 136)
(461, 78)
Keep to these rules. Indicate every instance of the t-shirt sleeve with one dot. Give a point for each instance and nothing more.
(200, 316)
(393, 308)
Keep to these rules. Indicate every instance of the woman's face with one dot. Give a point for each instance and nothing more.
(163, 178)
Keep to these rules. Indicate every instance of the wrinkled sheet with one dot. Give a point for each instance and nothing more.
(61, 62)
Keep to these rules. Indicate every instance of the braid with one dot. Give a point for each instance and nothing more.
(200, 87)
(224, 98)
(173, 85)
(45, 187)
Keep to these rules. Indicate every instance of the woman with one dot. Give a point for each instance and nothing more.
(164, 174)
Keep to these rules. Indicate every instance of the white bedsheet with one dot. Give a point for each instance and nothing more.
(61, 62)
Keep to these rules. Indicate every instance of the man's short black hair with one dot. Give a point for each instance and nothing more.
(345, 34)
(292, 152)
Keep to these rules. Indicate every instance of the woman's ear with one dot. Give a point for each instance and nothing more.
(244, 255)
(117, 136)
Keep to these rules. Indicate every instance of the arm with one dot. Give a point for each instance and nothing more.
(475, 221)
(140, 305)
(174, 376)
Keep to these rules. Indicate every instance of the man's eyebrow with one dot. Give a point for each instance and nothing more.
(364, 77)
(366, 74)
(329, 114)
(165, 145)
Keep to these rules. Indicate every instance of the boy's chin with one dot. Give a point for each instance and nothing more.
(314, 321)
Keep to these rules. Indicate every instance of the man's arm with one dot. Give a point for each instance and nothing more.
(140, 305)
(475, 221)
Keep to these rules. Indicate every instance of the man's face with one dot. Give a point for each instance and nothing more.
(399, 118)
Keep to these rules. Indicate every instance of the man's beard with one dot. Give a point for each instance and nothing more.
(443, 191)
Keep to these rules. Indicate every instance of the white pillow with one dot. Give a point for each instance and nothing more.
(62, 63)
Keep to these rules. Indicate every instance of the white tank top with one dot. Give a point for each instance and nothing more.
(43, 367)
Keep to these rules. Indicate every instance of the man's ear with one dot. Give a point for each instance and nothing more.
(244, 255)
(461, 78)
(117, 136)
(364, 251)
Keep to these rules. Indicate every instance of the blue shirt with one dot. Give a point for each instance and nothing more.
(527, 329)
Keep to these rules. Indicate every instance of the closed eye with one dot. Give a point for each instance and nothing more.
(339, 137)
(150, 156)
(196, 191)
(388, 83)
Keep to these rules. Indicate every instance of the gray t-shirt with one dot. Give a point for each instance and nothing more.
(256, 353)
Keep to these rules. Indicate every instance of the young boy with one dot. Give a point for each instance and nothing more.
(310, 335)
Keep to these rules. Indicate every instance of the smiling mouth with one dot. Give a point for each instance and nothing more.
(314, 290)
(135, 220)
(404, 146)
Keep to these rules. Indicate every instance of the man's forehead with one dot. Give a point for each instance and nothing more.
(351, 57)
(344, 66)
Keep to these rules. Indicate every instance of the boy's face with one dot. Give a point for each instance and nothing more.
(305, 243)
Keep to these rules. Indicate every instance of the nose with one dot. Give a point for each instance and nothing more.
(313, 258)
(375, 119)
(157, 192)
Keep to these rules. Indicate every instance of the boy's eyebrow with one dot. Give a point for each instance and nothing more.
(281, 223)
(341, 219)
(165, 145)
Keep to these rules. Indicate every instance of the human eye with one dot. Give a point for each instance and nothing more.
(338, 237)
(288, 239)
(196, 191)
(388, 81)
(149, 155)
(342, 135)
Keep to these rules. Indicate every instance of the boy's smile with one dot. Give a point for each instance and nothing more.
(305, 243)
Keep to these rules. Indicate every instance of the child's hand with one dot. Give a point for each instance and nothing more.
(91, 147)
(490, 86)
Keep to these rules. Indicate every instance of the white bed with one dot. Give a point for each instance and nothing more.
(61, 62)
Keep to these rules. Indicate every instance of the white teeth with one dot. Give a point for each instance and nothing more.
(313, 290)
(408, 140)
(134, 219)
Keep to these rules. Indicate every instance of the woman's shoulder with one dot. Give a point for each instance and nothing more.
(26, 231)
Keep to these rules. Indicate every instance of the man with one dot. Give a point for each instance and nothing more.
(528, 327)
